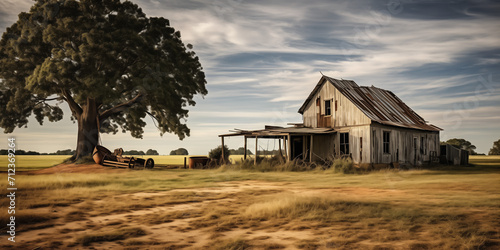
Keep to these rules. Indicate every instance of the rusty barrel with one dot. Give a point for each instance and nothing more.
(198, 161)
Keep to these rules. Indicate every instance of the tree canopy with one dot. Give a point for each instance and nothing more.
(462, 144)
(216, 153)
(152, 152)
(134, 152)
(495, 150)
(111, 64)
(240, 151)
(179, 151)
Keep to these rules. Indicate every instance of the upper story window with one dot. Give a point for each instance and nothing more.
(328, 107)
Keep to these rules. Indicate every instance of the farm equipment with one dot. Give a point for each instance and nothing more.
(103, 156)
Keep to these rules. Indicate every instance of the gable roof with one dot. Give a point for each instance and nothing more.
(380, 105)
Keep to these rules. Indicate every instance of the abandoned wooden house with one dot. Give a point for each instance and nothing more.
(369, 124)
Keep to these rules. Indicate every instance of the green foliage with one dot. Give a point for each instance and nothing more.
(240, 151)
(461, 144)
(495, 150)
(179, 151)
(18, 152)
(106, 59)
(65, 152)
(269, 152)
(216, 153)
(134, 152)
(152, 152)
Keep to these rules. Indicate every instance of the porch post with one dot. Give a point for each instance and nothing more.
(245, 154)
(256, 150)
(223, 156)
(279, 147)
(304, 147)
(311, 148)
(285, 147)
(289, 152)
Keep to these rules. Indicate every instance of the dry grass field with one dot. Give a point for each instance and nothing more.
(438, 208)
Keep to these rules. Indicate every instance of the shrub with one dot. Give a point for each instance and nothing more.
(343, 165)
(216, 153)
(267, 164)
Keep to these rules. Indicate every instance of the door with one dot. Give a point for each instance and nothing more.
(297, 147)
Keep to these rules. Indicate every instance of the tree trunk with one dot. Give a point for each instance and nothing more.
(88, 130)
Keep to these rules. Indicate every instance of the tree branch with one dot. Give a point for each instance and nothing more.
(38, 101)
(154, 118)
(119, 108)
(75, 108)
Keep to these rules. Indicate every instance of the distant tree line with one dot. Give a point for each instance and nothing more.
(240, 151)
(72, 152)
(23, 152)
(140, 152)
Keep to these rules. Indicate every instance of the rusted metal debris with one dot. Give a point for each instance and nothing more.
(103, 156)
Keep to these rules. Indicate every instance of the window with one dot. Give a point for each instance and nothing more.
(335, 105)
(387, 142)
(344, 143)
(328, 108)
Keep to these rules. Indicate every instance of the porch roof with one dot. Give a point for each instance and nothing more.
(275, 132)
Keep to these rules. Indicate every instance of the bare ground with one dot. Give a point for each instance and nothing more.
(212, 218)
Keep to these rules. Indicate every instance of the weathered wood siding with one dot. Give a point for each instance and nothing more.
(326, 146)
(323, 146)
(359, 135)
(404, 146)
(347, 114)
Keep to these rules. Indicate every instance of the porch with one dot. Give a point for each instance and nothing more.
(295, 142)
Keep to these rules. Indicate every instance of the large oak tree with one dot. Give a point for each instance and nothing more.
(110, 63)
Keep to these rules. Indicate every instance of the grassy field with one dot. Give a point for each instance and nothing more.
(35, 162)
(441, 208)
(32, 162)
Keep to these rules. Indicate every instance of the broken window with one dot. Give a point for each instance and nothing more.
(387, 142)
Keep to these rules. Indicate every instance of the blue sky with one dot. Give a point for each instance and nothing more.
(262, 59)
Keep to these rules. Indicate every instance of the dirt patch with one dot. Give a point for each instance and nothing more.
(215, 216)
(75, 168)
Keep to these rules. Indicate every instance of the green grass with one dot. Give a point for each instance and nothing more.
(32, 162)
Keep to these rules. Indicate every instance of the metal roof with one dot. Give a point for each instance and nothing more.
(380, 105)
(272, 132)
